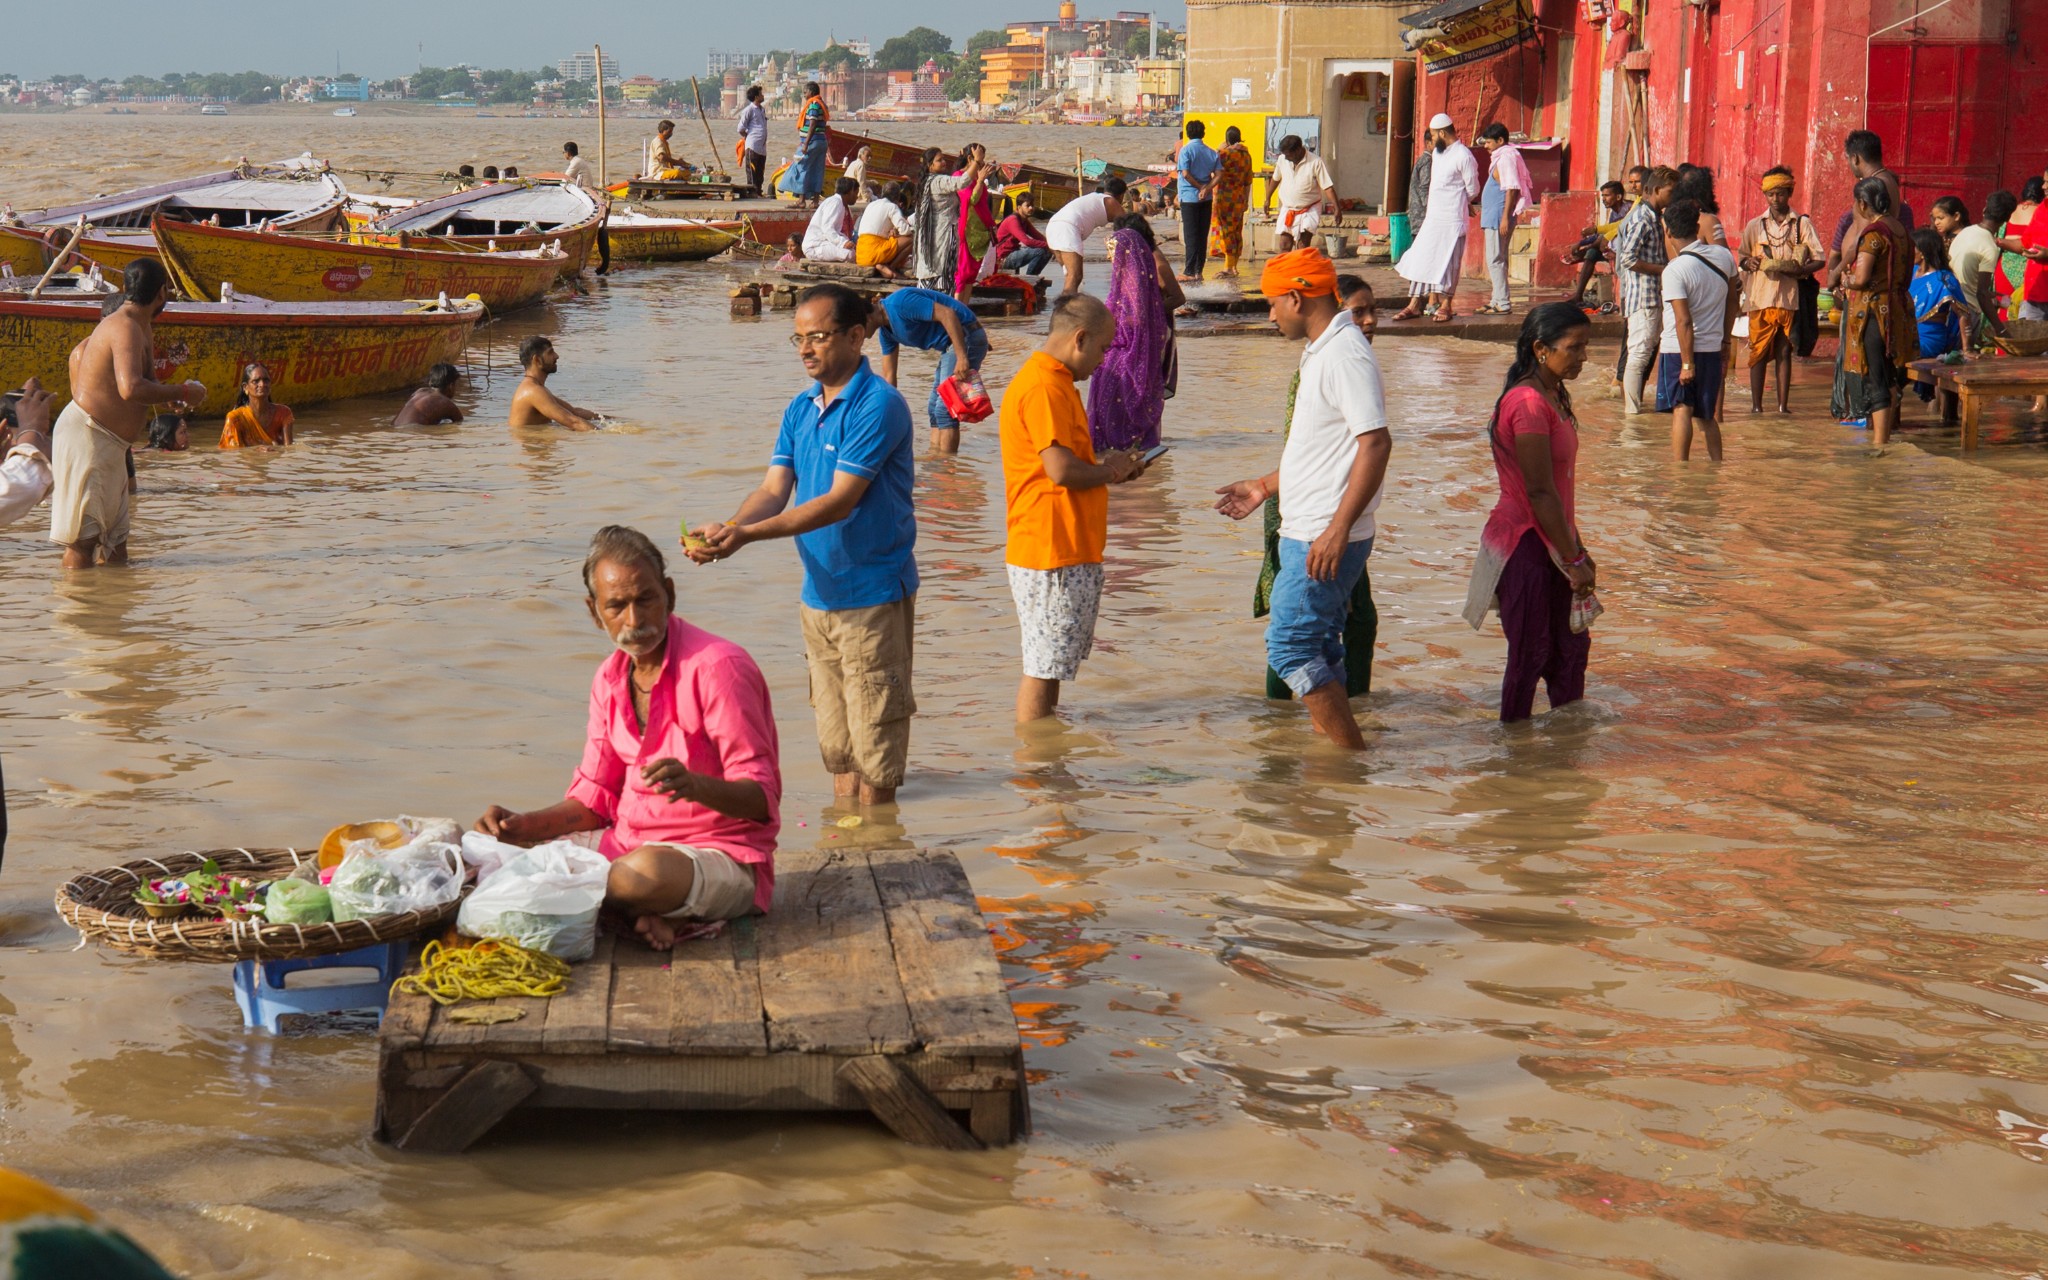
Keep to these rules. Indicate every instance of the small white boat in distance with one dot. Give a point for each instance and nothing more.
(213, 109)
(344, 111)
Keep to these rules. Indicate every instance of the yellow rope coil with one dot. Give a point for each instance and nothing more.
(488, 969)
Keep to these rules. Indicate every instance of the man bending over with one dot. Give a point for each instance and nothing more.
(681, 777)
(533, 405)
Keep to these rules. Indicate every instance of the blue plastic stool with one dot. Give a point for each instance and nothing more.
(265, 999)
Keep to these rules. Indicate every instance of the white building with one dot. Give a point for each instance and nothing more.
(583, 66)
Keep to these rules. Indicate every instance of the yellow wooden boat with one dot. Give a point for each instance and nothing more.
(297, 268)
(25, 252)
(316, 351)
(297, 195)
(501, 216)
(640, 237)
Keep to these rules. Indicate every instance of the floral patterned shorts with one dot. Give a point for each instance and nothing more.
(1056, 608)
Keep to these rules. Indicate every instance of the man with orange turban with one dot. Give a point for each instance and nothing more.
(1779, 249)
(1329, 483)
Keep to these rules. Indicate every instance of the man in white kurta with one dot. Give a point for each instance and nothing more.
(829, 238)
(1431, 264)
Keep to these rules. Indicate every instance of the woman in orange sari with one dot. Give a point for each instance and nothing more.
(1233, 197)
(256, 418)
(1879, 335)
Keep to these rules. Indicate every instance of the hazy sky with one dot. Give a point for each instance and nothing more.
(646, 36)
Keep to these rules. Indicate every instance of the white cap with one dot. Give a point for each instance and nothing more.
(1441, 121)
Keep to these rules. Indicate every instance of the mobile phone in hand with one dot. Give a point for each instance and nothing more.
(1154, 454)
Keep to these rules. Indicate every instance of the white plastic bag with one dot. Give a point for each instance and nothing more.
(486, 854)
(413, 877)
(545, 898)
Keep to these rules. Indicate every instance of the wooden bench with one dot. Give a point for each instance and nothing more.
(1960, 390)
(870, 985)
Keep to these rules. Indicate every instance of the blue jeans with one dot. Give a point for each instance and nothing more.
(977, 351)
(1305, 635)
(1030, 260)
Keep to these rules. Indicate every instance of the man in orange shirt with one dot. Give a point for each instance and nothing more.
(1057, 500)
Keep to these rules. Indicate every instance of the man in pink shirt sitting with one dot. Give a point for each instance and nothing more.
(680, 781)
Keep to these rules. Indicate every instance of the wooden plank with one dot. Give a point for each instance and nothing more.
(901, 1103)
(828, 975)
(577, 1022)
(406, 1017)
(944, 959)
(521, 1035)
(717, 998)
(469, 1109)
(684, 1082)
(990, 1118)
(643, 999)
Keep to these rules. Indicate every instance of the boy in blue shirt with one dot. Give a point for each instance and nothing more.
(928, 320)
(1196, 166)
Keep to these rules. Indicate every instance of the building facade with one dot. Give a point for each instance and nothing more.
(1335, 73)
(583, 66)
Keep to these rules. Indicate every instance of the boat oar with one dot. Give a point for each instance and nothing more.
(698, 97)
(77, 234)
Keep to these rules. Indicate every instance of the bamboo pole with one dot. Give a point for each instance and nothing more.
(717, 169)
(77, 234)
(602, 183)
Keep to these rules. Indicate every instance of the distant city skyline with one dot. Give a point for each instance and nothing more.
(646, 38)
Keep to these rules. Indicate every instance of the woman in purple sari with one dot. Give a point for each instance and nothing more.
(1127, 396)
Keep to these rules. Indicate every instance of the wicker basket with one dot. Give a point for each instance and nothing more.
(101, 906)
(2023, 338)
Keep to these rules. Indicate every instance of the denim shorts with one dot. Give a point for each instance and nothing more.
(1305, 634)
(977, 351)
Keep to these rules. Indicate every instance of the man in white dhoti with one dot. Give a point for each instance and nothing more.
(1431, 264)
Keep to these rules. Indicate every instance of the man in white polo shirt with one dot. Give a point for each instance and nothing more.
(1328, 484)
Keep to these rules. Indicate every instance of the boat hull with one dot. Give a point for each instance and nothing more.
(315, 352)
(25, 252)
(670, 240)
(287, 268)
(578, 239)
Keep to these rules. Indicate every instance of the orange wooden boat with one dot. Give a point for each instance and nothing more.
(298, 268)
(501, 216)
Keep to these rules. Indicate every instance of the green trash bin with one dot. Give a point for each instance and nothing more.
(1400, 237)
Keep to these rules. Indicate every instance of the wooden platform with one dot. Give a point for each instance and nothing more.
(1960, 390)
(656, 189)
(871, 985)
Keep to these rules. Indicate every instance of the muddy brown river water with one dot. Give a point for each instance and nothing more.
(1734, 970)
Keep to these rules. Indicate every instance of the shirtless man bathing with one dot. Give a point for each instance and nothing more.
(113, 396)
(533, 405)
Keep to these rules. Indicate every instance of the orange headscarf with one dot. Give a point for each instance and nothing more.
(1304, 271)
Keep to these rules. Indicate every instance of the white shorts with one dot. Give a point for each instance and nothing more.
(1056, 611)
(1061, 237)
(1296, 222)
(721, 889)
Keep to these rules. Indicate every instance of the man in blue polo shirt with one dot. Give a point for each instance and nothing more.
(1196, 167)
(844, 456)
(931, 321)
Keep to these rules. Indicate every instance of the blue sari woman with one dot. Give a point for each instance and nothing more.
(806, 178)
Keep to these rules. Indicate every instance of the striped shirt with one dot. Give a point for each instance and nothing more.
(1641, 240)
